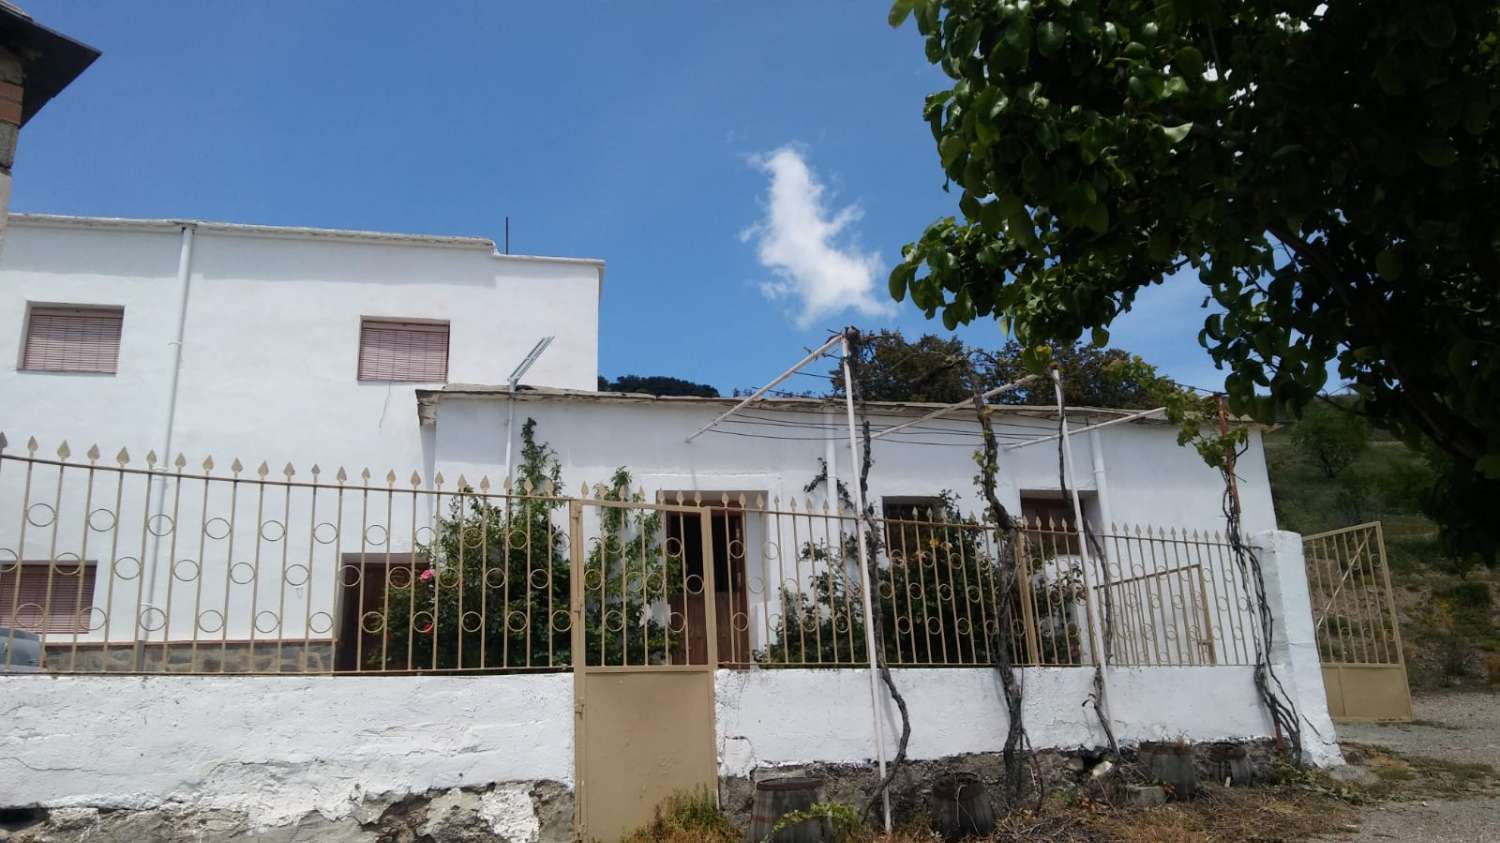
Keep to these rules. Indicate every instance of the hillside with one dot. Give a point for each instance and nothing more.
(1448, 607)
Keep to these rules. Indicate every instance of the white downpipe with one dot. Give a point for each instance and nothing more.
(185, 286)
(1096, 637)
(510, 437)
(865, 585)
(1101, 494)
(1101, 482)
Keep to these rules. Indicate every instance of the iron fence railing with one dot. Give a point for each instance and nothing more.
(113, 566)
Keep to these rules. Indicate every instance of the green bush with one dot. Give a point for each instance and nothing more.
(691, 817)
(492, 590)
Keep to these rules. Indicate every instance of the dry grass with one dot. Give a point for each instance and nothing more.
(1421, 777)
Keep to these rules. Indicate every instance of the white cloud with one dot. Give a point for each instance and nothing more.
(810, 247)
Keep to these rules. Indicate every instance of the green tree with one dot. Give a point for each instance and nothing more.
(1329, 171)
(939, 369)
(656, 385)
(1331, 437)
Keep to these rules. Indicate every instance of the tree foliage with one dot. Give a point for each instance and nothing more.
(943, 370)
(656, 385)
(1331, 437)
(1329, 171)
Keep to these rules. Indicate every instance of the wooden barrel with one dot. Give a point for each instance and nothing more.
(961, 807)
(777, 797)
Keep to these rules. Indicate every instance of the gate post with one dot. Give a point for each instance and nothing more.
(1294, 649)
(577, 657)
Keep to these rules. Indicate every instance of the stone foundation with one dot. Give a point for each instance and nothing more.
(1058, 770)
(204, 657)
(539, 812)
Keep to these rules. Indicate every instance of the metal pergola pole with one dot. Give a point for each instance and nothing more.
(865, 585)
(1096, 636)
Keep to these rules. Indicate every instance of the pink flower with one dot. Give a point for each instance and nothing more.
(427, 575)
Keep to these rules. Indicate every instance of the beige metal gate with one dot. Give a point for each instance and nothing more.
(1354, 615)
(644, 654)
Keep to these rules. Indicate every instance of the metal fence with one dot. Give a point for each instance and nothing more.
(108, 565)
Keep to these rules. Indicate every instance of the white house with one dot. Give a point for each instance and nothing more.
(357, 350)
(303, 444)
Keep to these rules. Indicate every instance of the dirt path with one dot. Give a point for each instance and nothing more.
(1452, 730)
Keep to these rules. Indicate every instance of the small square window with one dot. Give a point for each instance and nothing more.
(391, 350)
(72, 339)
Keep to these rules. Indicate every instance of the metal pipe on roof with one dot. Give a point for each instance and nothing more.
(1088, 429)
(958, 405)
(816, 353)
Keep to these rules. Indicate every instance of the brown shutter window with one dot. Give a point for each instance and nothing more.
(73, 339)
(26, 604)
(403, 351)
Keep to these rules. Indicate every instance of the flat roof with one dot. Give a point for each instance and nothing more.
(292, 232)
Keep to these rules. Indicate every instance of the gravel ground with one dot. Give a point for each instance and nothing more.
(1460, 727)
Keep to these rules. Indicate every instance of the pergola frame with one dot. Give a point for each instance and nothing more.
(841, 339)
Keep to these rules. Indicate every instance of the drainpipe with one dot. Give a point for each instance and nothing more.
(510, 435)
(1101, 485)
(185, 286)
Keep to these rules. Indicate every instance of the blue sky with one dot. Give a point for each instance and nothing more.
(749, 171)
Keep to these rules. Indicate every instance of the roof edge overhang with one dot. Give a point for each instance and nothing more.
(293, 233)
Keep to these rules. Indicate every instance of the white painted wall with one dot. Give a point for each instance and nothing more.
(1151, 479)
(272, 336)
(774, 718)
(276, 748)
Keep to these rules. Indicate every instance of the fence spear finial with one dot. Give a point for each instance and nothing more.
(93, 453)
(208, 464)
(63, 451)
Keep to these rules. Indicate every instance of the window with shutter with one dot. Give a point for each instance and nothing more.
(72, 339)
(47, 598)
(391, 350)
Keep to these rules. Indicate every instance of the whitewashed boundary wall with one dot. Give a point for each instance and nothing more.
(277, 748)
